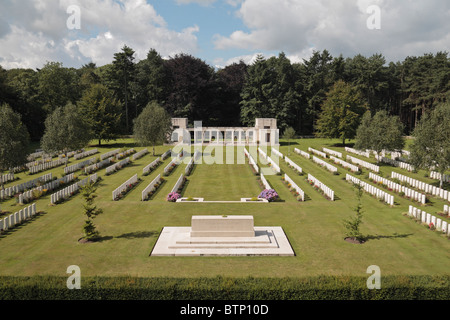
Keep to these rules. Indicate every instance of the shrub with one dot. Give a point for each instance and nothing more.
(269, 194)
(173, 197)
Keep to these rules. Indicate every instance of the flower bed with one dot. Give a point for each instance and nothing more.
(173, 197)
(126, 187)
(269, 194)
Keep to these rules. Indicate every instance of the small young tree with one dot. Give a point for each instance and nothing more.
(153, 126)
(91, 211)
(431, 147)
(14, 140)
(352, 225)
(65, 131)
(380, 132)
(289, 134)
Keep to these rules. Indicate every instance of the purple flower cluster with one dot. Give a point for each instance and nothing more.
(268, 194)
(173, 197)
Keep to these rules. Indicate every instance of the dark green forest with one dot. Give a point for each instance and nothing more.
(186, 86)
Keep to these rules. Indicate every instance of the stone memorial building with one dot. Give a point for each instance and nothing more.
(265, 132)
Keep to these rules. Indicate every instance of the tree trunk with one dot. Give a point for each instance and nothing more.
(153, 149)
(99, 142)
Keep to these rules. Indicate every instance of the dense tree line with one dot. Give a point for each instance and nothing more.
(296, 94)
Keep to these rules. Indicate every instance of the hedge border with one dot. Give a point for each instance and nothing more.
(224, 288)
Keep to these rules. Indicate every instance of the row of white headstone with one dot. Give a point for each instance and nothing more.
(325, 164)
(292, 164)
(11, 191)
(49, 186)
(150, 187)
(317, 152)
(277, 153)
(396, 163)
(428, 188)
(97, 166)
(140, 154)
(302, 153)
(151, 166)
(173, 163)
(262, 153)
(364, 164)
(69, 154)
(47, 165)
(437, 175)
(327, 190)
(345, 164)
(410, 193)
(265, 182)
(109, 154)
(178, 184)
(189, 167)
(274, 165)
(117, 166)
(380, 194)
(35, 155)
(358, 152)
(332, 152)
(427, 218)
(7, 177)
(72, 189)
(124, 186)
(251, 161)
(79, 165)
(295, 187)
(124, 154)
(85, 154)
(166, 154)
(18, 217)
(38, 162)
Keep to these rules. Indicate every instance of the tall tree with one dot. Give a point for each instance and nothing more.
(14, 139)
(65, 130)
(102, 111)
(341, 112)
(192, 83)
(120, 79)
(255, 93)
(152, 126)
(369, 75)
(57, 86)
(151, 80)
(380, 132)
(23, 84)
(230, 81)
(431, 147)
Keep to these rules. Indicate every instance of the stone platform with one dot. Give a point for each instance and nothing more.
(205, 238)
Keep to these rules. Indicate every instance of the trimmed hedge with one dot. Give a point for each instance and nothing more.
(222, 288)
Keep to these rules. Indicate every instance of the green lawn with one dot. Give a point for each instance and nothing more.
(48, 244)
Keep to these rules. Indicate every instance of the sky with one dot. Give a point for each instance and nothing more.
(220, 32)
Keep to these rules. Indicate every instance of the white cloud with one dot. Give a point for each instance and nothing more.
(297, 26)
(39, 32)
